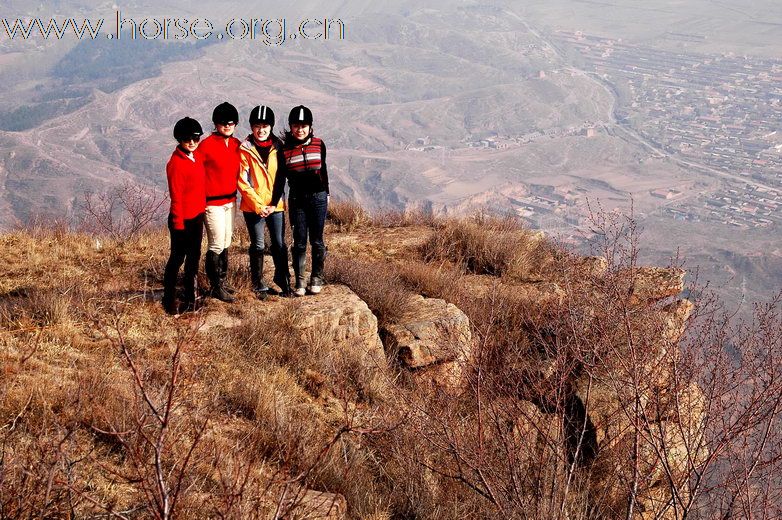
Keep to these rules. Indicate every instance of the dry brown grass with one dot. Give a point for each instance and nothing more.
(433, 281)
(64, 378)
(271, 408)
(378, 284)
(406, 218)
(488, 245)
(347, 216)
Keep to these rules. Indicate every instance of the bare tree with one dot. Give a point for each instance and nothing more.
(123, 211)
(605, 402)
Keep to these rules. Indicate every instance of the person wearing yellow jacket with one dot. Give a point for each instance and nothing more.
(259, 157)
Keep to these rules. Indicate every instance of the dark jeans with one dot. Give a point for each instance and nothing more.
(275, 223)
(185, 248)
(308, 217)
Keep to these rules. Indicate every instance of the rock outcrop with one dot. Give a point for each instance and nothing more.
(433, 339)
(341, 320)
(650, 284)
(431, 331)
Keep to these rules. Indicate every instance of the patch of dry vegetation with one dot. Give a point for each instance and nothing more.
(110, 407)
(347, 216)
(488, 245)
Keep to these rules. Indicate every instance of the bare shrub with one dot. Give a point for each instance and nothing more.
(403, 218)
(651, 426)
(31, 479)
(374, 282)
(486, 245)
(347, 215)
(583, 404)
(40, 449)
(124, 211)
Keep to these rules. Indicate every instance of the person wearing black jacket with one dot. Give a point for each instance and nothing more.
(308, 182)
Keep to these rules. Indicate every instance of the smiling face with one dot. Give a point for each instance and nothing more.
(190, 143)
(225, 129)
(300, 131)
(261, 131)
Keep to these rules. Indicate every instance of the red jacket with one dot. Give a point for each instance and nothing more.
(221, 163)
(186, 186)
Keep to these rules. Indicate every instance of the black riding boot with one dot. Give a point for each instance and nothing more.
(316, 276)
(299, 263)
(188, 303)
(223, 264)
(260, 289)
(170, 304)
(213, 272)
(282, 274)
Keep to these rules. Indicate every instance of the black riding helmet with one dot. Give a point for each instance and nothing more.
(262, 115)
(300, 115)
(225, 113)
(187, 127)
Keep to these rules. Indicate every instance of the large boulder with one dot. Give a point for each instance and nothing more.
(337, 316)
(650, 284)
(431, 331)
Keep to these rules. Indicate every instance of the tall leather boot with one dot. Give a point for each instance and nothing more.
(316, 276)
(282, 274)
(260, 289)
(223, 265)
(299, 262)
(188, 303)
(212, 267)
(170, 304)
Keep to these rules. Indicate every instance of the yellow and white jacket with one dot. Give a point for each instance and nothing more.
(256, 179)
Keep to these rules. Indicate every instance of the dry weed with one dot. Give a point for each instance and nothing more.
(486, 245)
(347, 216)
(378, 284)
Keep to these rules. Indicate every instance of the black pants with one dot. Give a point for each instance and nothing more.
(185, 248)
(308, 218)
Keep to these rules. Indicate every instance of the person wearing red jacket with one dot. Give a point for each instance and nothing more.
(187, 190)
(219, 154)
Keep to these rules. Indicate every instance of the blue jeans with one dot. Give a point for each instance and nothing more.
(278, 248)
(308, 218)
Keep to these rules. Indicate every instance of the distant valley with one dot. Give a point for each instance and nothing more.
(479, 107)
